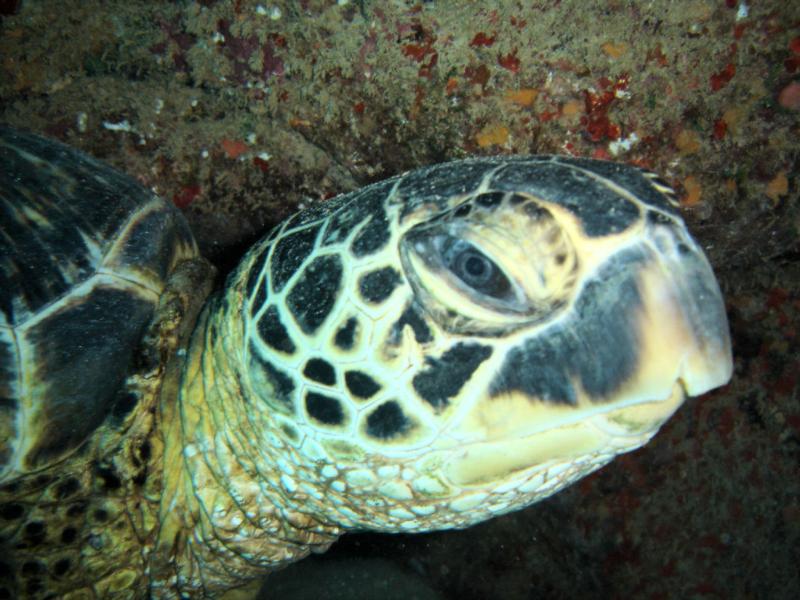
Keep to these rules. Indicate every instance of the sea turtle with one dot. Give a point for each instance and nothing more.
(448, 345)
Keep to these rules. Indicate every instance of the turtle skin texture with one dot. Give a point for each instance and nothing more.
(428, 352)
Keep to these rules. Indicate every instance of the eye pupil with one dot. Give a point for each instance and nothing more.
(475, 266)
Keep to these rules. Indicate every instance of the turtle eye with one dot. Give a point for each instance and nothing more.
(464, 285)
(475, 269)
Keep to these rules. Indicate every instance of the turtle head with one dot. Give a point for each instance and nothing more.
(595, 340)
(437, 360)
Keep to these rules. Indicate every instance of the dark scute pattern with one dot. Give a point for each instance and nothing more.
(631, 178)
(61, 566)
(151, 241)
(374, 236)
(412, 318)
(317, 211)
(68, 535)
(387, 421)
(67, 488)
(377, 286)
(252, 280)
(76, 510)
(364, 206)
(260, 297)
(461, 212)
(601, 210)
(437, 184)
(324, 409)
(123, 406)
(273, 332)
(361, 385)
(34, 532)
(290, 252)
(321, 371)
(489, 199)
(598, 346)
(8, 404)
(345, 335)
(77, 195)
(107, 477)
(85, 352)
(12, 511)
(443, 378)
(314, 294)
(282, 384)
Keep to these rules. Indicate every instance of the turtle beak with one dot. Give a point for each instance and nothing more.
(686, 313)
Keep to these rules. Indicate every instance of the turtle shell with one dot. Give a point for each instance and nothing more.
(85, 253)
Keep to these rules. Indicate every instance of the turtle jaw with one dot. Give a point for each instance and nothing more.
(540, 442)
(543, 463)
(530, 466)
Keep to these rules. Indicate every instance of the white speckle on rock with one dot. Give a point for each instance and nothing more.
(623, 145)
(123, 125)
